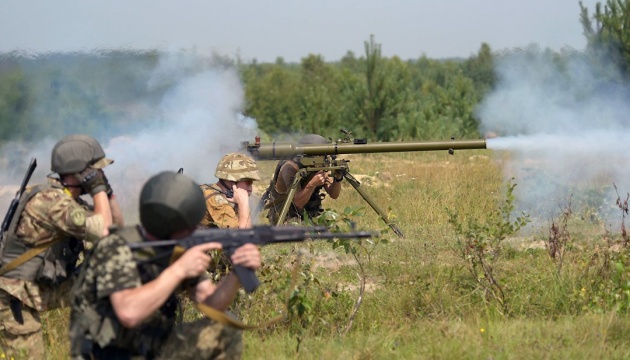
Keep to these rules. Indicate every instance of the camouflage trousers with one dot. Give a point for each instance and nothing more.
(203, 339)
(26, 341)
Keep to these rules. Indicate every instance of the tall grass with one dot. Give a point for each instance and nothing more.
(419, 299)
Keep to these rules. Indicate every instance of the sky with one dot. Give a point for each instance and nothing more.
(264, 30)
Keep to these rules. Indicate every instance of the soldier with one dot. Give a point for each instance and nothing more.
(54, 219)
(125, 300)
(227, 201)
(308, 197)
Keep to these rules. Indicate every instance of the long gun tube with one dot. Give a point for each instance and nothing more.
(280, 151)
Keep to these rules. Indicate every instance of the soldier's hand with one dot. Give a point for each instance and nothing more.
(195, 261)
(92, 180)
(248, 256)
(319, 179)
(241, 196)
(338, 175)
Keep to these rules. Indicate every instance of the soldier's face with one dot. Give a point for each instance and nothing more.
(72, 184)
(245, 185)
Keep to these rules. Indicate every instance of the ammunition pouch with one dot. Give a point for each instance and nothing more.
(59, 262)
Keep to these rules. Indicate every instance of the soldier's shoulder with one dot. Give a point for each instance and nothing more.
(47, 196)
(217, 199)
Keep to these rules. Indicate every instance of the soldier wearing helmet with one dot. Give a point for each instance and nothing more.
(227, 201)
(308, 196)
(53, 218)
(125, 301)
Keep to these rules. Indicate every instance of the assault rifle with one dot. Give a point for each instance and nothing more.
(14, 203)
(231, 239)
(314, 158)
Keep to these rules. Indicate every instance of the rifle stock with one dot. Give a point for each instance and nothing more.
(231, 239)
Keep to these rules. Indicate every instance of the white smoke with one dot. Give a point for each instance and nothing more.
(198, 121)
(566, 130)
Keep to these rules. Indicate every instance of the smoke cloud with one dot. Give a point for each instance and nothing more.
(195, 123)
(564, 131)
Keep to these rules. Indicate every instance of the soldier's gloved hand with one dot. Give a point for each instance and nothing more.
(108, 189)
(338, 175)
(92, 181)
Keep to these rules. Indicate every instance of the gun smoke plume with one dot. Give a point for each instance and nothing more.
(564, 131)
(195, 123)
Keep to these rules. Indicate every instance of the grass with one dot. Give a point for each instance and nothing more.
(420, 298)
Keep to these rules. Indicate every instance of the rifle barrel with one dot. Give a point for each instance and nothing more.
(278, 151)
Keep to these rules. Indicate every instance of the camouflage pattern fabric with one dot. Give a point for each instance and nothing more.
(53, 213)
(20, 341)
(50, 214)
(114, 267)
(236, 167)
(203, 339)
(220, 212)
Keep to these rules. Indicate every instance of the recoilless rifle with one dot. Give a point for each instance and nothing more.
(231, 239)
(318, 157)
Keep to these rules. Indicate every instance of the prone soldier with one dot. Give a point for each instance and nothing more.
(45, 238)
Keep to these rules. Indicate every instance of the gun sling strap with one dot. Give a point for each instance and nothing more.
(31, 253)
(219, 316)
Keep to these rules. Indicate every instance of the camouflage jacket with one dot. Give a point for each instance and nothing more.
(50, 214)
(219, 211)
(112, 266)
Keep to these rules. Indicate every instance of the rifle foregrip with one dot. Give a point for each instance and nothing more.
(247, 277)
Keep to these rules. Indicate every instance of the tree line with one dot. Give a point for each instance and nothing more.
(381, 98)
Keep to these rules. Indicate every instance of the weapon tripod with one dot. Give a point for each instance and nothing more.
(330, 163)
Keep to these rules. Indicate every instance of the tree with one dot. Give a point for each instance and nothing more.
(608, 32)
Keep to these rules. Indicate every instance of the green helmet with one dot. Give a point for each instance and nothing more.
(237, 167)
(313, 139)
(170, 202)
(74, 153)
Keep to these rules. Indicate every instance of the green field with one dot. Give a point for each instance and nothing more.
(479, 293)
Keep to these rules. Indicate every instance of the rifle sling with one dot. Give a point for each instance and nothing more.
(219, 316)
(225, 319)
(31, 253)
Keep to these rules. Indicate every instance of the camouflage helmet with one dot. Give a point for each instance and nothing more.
(74, 153)
(313, 139)
(170, 202)
(237, 167)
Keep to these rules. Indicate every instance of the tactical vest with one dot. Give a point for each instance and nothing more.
(97, 335)
(276, 200)
(51, 267)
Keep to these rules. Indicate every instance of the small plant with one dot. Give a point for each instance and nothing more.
(606, 283)
(479, 245)
(559, 236)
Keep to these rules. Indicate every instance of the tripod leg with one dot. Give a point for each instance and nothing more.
(357, 186)
(289, 200)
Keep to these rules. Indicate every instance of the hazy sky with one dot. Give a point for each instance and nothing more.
(291, 29)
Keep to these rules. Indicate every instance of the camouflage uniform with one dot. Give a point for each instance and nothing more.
(220, 212)
(96, 331)
(49, 215)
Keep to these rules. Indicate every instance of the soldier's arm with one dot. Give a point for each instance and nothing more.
(221, 295)
(133, 305)
(287, 174)
(241, 197)
(101, 207)
(333, 188)
(117, 216)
